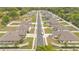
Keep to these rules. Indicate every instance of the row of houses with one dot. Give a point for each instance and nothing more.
(16, 35)
(62, 33)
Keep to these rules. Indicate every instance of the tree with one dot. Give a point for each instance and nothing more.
(5, 20)
(70, 14)
(14, 14)
(24, 11)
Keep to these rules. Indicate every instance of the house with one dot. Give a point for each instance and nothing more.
(13, 37)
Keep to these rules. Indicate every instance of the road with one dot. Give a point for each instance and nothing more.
(39, 30)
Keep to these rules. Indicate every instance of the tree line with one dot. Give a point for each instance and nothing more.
(8, 14)
(70, 14)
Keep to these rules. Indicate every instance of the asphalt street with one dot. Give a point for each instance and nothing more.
(39, 31)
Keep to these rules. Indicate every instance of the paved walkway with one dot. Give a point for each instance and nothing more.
(13, 22)
(3, 31)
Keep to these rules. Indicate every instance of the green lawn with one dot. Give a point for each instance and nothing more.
(70, 28)
(46, 48)
(77, 33)
(33, 25)
(1, 34)
(50, 47)
(33, 19)
(3, 29)
(48, 30)
(46, 24)
(44, 20)
(30, 40)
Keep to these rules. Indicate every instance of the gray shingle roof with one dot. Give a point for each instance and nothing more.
(66, 35)
(15, 35)
(10, 36)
